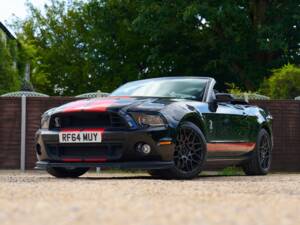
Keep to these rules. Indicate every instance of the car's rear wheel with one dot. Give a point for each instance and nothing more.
(66, 172)
(189, 154)
(260, 162)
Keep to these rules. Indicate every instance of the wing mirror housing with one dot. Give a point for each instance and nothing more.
(219, 98)
(224, 97)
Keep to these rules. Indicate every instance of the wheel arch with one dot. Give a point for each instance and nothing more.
(268, 128)
(196, 119)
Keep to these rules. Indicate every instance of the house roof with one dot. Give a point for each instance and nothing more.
(7, 31)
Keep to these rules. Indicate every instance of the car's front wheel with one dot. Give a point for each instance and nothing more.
(66, 172)
(189, 154)
(260, 162)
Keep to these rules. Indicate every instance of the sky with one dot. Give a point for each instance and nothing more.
(16, 7)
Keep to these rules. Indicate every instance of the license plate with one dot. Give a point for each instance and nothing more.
(80, 137)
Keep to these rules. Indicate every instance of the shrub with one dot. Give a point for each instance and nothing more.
(246, 95)
(284, 83)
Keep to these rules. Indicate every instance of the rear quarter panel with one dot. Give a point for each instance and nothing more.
(259, 119)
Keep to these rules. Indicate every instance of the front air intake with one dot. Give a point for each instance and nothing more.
(87, 120)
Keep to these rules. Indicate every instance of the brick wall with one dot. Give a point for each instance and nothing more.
(286, 130)
(10, 127)
(35, 108)
(286, 133)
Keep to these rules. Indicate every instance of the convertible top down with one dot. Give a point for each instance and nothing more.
(172, 127)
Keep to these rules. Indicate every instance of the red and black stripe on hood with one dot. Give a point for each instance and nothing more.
(111, 103)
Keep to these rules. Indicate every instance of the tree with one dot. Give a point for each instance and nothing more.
(9, 80)
(50, 43)
(100, 44)
(284, 83)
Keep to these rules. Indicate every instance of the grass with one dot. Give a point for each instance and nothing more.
(231, 171)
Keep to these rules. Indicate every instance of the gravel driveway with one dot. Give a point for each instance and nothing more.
(34, 198)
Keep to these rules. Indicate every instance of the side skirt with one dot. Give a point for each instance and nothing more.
(220, 162)
(231, 146)
(223, 154)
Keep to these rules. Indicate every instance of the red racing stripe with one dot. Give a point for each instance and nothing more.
(85, 160)
(99, 106)
(246, 146)
(71, 160)
(96, 105)
(101, 130)
(74, 106)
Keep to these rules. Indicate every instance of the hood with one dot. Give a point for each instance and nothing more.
(114, 103)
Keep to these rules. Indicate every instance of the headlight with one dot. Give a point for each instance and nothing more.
(45, 121)
(145, 120)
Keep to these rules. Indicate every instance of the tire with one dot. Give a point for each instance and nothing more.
(260, 162)
(66, 173)
(189, 154)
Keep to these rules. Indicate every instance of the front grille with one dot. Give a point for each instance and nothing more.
(87, 120)
(107, 151)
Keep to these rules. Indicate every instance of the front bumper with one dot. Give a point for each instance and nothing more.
(118, 149)
(43, 165)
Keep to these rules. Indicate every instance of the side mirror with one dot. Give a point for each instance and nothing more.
(224, 97)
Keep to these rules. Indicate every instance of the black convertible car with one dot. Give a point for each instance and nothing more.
(171, 126)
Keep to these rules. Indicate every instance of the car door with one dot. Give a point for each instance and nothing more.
(228, 123)
(227, 128)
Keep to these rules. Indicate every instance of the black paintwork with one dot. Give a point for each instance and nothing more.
(220, 122)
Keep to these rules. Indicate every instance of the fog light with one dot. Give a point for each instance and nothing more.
(144, 148)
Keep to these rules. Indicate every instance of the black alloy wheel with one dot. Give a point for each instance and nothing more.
(260, 162)
(189, 150)
(189, 154)
(265, 152)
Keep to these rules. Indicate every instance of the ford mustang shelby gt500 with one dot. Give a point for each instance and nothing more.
(170, 126)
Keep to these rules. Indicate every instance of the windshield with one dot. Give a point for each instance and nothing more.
(186, 88)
